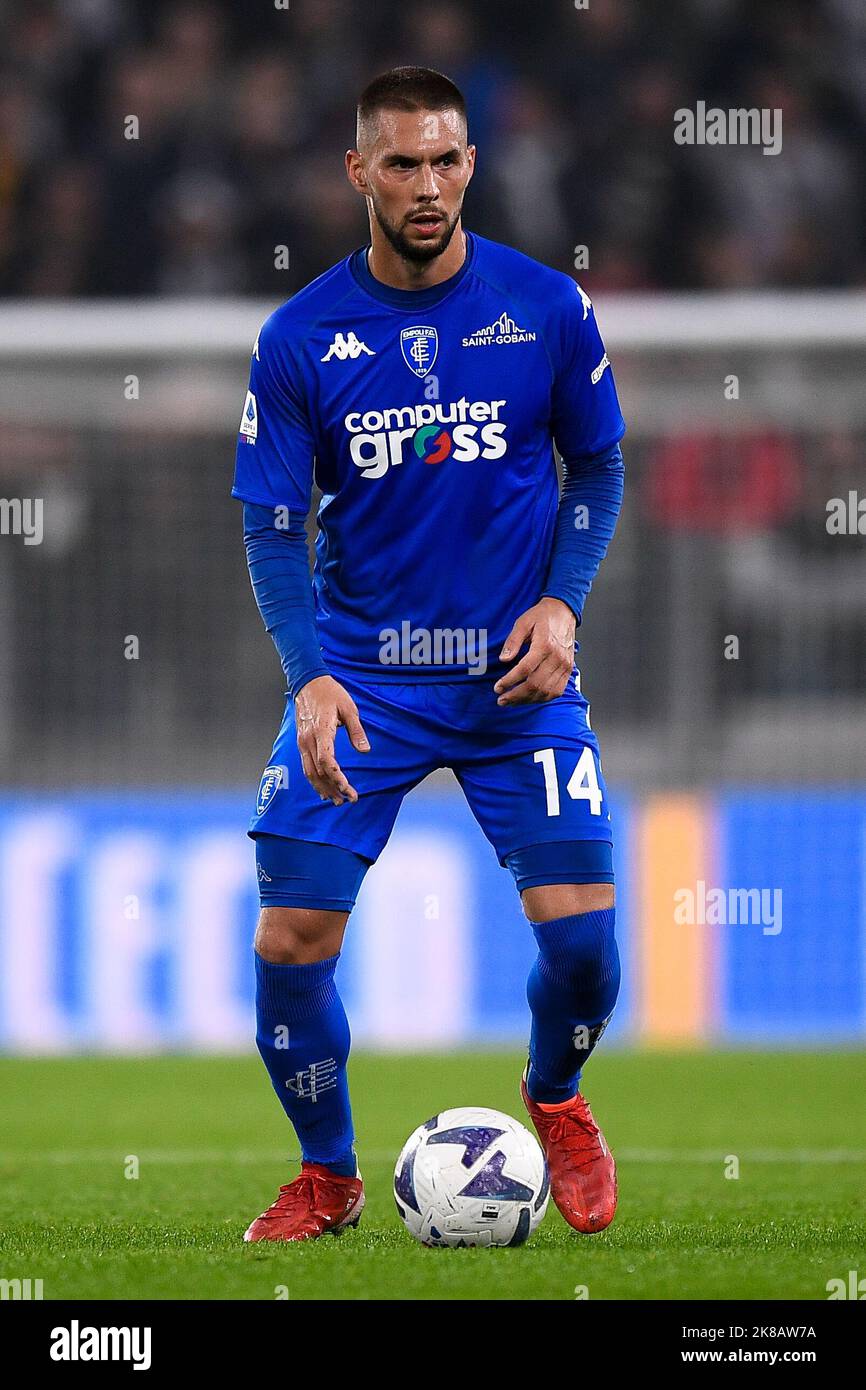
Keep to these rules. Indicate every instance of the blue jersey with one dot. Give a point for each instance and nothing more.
(428, 420)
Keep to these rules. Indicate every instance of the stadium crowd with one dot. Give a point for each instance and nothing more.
(243, 113)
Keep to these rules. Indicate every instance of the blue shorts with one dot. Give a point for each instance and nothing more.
(530, 773)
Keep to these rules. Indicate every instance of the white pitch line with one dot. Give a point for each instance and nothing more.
(241, 1157)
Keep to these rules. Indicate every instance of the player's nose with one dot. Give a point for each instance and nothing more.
(426, 186)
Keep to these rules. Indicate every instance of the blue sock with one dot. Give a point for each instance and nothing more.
(572, 988)
(303, 1036)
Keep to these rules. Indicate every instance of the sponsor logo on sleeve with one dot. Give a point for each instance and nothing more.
(595, 377)
(249, 426)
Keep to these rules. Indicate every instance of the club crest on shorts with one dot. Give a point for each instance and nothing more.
(273, 778)
(420, 347)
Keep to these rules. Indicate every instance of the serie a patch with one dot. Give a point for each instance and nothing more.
(249, 426)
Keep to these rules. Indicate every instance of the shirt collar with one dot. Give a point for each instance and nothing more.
(408, 299)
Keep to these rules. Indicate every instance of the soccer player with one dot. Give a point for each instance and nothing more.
(423, 382)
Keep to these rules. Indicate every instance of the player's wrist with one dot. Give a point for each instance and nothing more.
(307, 680)
(562, 603)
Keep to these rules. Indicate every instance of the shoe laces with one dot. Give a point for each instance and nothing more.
(576, 1130)
(306, 1191)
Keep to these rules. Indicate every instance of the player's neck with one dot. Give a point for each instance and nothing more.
(392, 269)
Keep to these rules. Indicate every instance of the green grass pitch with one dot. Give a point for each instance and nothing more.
(211, 1145)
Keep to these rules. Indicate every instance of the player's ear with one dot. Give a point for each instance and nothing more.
(355, 172)
(470, 155)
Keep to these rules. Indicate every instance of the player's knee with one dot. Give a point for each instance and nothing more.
(551, 900)
(579, 954)
(307, 891)
(299, 935)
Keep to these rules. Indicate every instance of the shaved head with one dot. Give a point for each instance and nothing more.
(406, 89)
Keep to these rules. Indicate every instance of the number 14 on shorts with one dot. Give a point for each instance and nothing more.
(582, 785)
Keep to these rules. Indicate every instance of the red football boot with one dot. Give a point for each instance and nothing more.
(581, 1166)
(319, 1200)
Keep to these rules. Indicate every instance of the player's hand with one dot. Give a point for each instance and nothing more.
(542, 674)
(320, 708)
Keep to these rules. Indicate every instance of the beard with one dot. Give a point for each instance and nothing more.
(418, 252)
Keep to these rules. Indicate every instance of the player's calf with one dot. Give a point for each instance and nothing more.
(572, 989)
(302, 1033)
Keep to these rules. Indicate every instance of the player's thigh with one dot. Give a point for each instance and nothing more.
(307, 891)
(562, 878)
(544, 783)
(548, 901)
(401, 754)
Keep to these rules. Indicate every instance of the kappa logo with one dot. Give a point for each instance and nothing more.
(420, 348)
(345, 346)
(584, 299)
(504, 330)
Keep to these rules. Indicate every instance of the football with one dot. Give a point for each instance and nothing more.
(471, 1176)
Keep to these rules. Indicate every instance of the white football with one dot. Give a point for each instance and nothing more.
(471, 1176)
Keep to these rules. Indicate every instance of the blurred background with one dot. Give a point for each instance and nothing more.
(723, 648)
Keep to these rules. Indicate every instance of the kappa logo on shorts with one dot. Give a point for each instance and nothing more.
(273, 778)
